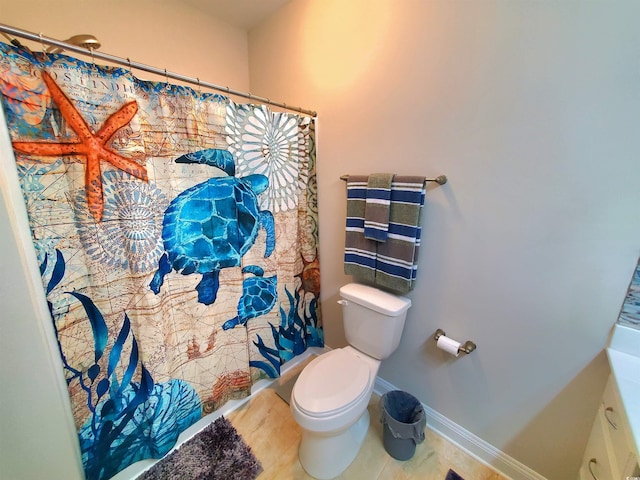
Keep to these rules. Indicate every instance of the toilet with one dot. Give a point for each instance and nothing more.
(330, 397)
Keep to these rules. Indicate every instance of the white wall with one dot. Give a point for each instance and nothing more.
(37, 436)
(531, 109)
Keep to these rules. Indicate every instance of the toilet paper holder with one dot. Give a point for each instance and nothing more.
(467, 347)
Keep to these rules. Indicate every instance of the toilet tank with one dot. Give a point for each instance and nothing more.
(373, 319)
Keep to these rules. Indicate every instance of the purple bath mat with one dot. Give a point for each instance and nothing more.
(216, 452)
(451, 475)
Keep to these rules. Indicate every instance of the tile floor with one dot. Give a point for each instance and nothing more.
(267, 426)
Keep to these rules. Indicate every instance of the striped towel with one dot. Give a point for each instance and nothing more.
(397, 259)
(359, 252)
(376, 214)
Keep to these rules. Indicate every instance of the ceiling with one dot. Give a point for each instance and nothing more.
(244, 14)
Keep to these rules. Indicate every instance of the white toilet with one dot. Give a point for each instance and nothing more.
(329, 400)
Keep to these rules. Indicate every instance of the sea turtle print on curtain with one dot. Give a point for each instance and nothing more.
(176, 233)
(212, 225)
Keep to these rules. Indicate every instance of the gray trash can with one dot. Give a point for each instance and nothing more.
(403, 423)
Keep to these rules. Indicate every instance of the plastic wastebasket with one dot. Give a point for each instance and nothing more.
(404, 421)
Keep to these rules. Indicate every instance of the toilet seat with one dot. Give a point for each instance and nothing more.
(331, 383)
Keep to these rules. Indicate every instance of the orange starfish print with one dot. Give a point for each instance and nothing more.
(91, 145)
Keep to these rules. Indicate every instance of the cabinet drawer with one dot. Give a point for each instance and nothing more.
(596, 463)
(615, 424)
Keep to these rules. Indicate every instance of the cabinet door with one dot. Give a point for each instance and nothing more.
(596, 464)
(615, 422)
(632, 469)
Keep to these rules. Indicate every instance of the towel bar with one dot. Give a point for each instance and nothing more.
(440, 179)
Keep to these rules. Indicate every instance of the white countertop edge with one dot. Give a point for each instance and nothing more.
(625, 339)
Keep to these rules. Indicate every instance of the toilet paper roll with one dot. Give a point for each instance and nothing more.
(448, 345)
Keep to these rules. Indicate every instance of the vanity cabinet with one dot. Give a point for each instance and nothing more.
(609, 454)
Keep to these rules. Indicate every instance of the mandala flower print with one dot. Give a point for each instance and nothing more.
(129, 236)
(266, 142)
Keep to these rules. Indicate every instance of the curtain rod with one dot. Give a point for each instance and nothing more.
(147, 68)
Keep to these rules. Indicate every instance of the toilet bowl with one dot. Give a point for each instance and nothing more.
(329, 401)
(330, 397)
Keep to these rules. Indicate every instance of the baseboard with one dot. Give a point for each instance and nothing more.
(470, 443)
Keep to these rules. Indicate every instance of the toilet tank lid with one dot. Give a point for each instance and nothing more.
(382, 302)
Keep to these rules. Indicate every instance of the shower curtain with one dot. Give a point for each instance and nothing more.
(176, 233)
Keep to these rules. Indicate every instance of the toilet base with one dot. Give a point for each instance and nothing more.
(325, 456)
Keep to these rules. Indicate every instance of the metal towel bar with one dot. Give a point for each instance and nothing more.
(440, 179)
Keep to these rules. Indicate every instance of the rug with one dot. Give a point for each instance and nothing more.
(216, 452)
(451, 475)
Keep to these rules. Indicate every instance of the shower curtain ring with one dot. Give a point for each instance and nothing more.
(130, 67)
(166, 78)
(44, 49)
(199, 86)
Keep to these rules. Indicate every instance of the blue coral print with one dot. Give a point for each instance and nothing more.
(130, 420)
